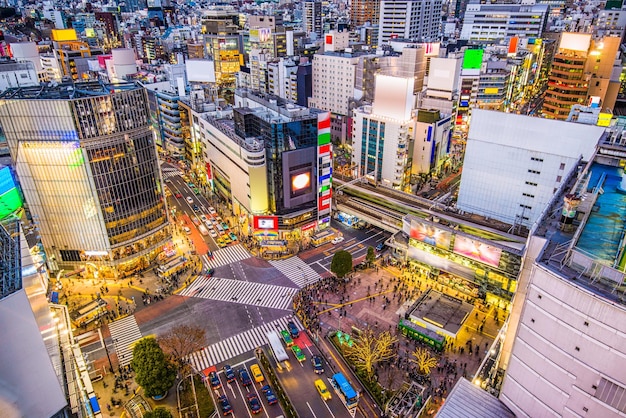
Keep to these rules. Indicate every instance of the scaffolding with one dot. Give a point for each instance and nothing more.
(10, 259)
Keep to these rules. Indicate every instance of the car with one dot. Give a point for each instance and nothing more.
(212, 210)
(269, 395)
(322, 390)
(213, 221)
(196, 208)
(253, 403)
(212, 233)
(225, 405)
(229, 373)
(214, 380)
(196, 191)
(225, 226)
(286, 337)
(189, 199)
(293, 329)
(178, 195)
(221, 243)
(318, 367)
(226, 239)
(298, 353)
(191, 185)
(195, 220)
(256, 373)
(337, 240)
(203, 217)
(232, 236)
(187, 230)
(244, 377)
(380, 246)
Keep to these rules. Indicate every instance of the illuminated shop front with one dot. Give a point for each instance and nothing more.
(472, 262)
(89, 172)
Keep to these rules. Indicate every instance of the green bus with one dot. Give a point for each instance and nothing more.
(424, 335)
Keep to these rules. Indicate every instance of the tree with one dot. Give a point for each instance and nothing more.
(154, 372)
(341, 263)
(158, 412)
(371, 255)
(370, 349)
(424, 360)
(180, 341)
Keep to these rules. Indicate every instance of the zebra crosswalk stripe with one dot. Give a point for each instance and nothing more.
(296, 270)
(235, 345)
(226, 255)
(124, 333)
(242, 292)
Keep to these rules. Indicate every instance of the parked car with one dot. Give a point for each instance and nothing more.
(254, 403)
(318, 367)
(322, 389)
(244, 377)
(214, 380)
(286, 337)
(293, 329)
(225, 405)
(298, 353)
(337, 240)
(229, 373)
(269, 395)
(256, 373)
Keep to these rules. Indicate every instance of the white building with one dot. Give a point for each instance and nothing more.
(432, 137)
(18, 74)
(488, 22)
(383, 132)
(282, 79)
(442, 86)
(416, 20)
(514, 164)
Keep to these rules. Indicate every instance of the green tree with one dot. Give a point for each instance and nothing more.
(154, 372)
(158, 412)
(371, 255)
(370, 349)
(341, 264)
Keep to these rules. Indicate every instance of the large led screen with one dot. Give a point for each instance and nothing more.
(300, 183)
(477, 250)
(430, 235)
(10, 199)
(473, 59)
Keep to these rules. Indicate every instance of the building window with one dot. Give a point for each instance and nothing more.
(562, 167)
(536, 159)
(530, 183)
(534, 171)
(577, 348)
(558, 179)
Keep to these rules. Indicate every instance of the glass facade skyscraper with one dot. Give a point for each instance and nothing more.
(88, 167)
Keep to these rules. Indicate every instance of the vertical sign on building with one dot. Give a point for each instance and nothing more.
(324, 169)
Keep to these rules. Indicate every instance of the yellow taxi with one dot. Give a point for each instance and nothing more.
(256, 373)
(322, 389)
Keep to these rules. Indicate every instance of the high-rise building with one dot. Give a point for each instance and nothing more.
(418, 20)
(88, 167)
(582, 69)
(364, 11)
(492, 21)
(312, 17)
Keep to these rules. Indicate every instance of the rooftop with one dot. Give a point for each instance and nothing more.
(445, 313)
(468, 400)
(65, 90)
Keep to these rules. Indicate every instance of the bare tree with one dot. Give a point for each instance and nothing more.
(180, 341)
(369, 349)
(424, 360)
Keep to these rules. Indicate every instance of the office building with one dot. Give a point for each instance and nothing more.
(538, 155)
(88, 167)
(18, 74)
(492, 21)
(584, 70)
(363, 12)
(414, 20)
(312, 17)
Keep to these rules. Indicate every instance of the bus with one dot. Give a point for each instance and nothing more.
(276, 346)
(345, 390)
(89, 312)
(322, 237)
(427, 336)
(203, 230)
(172, 267)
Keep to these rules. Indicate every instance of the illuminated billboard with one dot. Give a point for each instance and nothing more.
(473, 59)
(61, 35)
(265, 222)
(477, 250)
(260, 35)
(430, 235)
(10, 199)
(300, 183)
